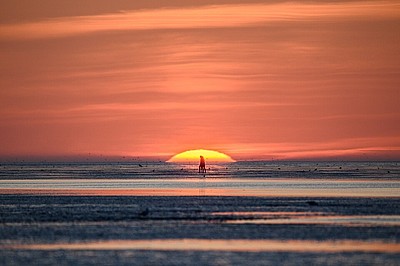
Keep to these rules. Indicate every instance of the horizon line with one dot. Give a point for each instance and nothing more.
(164, 159)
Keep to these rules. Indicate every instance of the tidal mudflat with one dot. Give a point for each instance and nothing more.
(217, 220)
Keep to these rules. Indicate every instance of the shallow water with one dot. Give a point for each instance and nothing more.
(287, 187)
(242, 245)
(156, 170)
(157, 213)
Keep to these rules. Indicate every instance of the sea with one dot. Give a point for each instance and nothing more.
(240, 213)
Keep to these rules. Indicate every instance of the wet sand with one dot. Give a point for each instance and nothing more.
(300, 213)
(198, 230)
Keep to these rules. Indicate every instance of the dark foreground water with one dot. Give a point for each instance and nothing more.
(291, 213)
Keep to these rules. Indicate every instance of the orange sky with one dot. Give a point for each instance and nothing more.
(253, 79)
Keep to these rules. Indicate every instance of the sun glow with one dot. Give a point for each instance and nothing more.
(194, 155)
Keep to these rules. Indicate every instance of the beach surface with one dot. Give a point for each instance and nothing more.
(64, 214)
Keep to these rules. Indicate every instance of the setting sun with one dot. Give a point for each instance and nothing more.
(194, 155)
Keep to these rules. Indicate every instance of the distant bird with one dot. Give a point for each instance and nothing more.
(144, 213)
(140, 165)
(312, 203)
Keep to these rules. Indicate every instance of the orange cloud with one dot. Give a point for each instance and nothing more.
(201, 17)
(253, 80)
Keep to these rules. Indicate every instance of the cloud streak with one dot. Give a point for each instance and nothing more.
(202, 17)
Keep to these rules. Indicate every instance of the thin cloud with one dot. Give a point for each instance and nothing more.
(201, 17)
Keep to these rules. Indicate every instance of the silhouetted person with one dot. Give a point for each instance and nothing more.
(202, 166)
